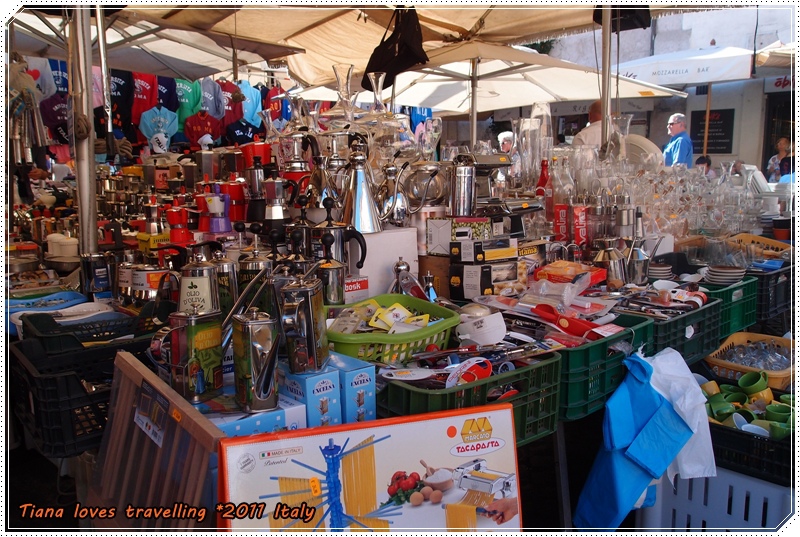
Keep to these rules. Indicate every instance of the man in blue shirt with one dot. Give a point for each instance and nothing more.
(679, 149)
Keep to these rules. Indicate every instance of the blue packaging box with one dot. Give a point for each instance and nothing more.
(318, 391)
(357, 387)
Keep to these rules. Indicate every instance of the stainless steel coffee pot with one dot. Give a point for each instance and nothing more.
(304, 326)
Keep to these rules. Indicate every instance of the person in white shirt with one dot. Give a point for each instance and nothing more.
(593, 133)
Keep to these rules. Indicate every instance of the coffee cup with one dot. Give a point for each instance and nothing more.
(730, 388)
(755, 429)
(722, 409)
(764, 424)
(787, 398)
(735, 420)
(710, 388)
(753, 382)
(778, 412)
(736, 397)
(778, 431)
(747, 414)
(764, 395)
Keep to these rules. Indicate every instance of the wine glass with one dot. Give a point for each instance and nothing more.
(433, 131)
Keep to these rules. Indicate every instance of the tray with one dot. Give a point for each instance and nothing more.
(397, 348)
(727, 370)
(535, 404)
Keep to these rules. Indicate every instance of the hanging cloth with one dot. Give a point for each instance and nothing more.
(401, 51)
(642, 434)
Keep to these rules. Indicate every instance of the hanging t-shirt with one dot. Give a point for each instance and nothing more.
(241, 132)
(168, 93)
(190, 96)
(98, 98)
(251, 105)
(274, 103)
(213, 100)
(145, 95)
(158, 119)
(39, 69)
(54, 111)
(233, 110)
(60, 75)
(200, 124)
(419, 115)
(122, 91)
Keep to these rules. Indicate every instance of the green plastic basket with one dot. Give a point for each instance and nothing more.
(398, 348)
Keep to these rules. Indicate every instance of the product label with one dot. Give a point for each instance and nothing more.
(579, 232)
(195, 291)
(561, 222)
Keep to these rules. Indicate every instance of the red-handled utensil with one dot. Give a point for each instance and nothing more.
(570, 325)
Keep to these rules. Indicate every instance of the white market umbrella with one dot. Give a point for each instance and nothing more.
(777, 54)
(474, 76)
(692, 67)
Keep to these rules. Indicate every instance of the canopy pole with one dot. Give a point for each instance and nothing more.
(84, 149)
(708, 120)
(473, 103)
(605, 73)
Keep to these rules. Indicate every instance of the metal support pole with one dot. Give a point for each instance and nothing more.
(473, 104)
(606, 72)
(84, 149)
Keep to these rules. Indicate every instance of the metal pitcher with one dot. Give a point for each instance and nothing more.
(611, 259)
(256, 340)
(359, 208)
(303, 322)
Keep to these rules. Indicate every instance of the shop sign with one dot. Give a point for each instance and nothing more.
(720, 131)
(774, 84)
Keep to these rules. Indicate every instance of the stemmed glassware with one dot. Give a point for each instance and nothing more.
(430, 137)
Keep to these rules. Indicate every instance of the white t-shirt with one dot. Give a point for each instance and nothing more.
(591, 135)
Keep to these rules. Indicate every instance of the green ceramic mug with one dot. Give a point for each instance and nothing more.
(753, 382)
(730, 388)
(736, 397)
(778, 412)
(779, 431)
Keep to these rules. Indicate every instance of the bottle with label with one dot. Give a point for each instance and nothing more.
(544, 176)
(563, 187)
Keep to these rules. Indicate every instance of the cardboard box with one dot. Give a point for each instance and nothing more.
(485, 251)
(356, 289)
(508, 224)
(469, 281)
(383, 250)
(357, 387)
(535, 254)
(442, 231)
(289, 416)
(439, 268)
(319, 392)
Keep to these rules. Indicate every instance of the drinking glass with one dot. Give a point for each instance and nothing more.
(433, 131)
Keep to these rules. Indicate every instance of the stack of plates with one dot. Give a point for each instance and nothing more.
(660, 271)
(724, 275)
(766, 220)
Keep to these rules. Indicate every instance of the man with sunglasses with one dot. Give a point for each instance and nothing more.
(679, 149)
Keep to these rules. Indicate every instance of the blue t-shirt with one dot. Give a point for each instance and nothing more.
(679, 150)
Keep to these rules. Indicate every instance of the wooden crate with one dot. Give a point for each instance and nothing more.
(131, 469)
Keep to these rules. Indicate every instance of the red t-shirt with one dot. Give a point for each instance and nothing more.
(200, 124)
(233, 111)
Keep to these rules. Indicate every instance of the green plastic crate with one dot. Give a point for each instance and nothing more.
(738, 309)
(695, 334)
(586, 390)
(535, 404)
(590, 373)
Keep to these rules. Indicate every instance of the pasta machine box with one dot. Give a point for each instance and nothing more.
(370, 476)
